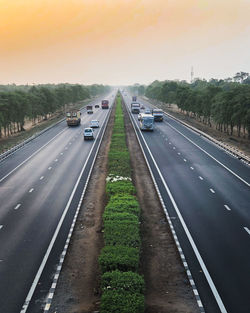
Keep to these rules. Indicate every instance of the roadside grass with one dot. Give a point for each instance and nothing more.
(122, 286)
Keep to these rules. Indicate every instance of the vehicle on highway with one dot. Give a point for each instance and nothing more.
(147, 111)
(135, 107)
(88, 133)
(134, 98)
(90, 109)
(105, 104)
(73, 118)
(146, 122)
(139, 116)
(157, 114)
(94, 124)
(97, 106)
(142, 107)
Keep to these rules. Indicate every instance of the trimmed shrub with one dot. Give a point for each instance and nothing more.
(122, 233)
(126, 217)
(124, 302)
(121, 187)
(123, 204)
(123, 281)
(119, 257)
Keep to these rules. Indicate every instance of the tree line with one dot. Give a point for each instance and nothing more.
(18, 103)
(223, 102)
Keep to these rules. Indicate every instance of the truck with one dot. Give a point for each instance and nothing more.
(90, 109)
(105, 104)
(157, 114)
(146, 122)
(135, 107)
(73, 117)
(134, 98)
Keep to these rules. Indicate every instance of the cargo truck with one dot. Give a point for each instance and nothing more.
(135, 108)
(89, 109)
(157, 114)
(105, 104)
(73, 118)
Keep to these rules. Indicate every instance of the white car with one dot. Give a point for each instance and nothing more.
(88, 133)
(94, 124)
(147, 111)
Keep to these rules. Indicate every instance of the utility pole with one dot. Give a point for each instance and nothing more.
(192, 74)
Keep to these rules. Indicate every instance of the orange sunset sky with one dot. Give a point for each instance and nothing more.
(122, 41)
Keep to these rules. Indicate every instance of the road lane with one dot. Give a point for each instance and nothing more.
(34, 197)
(219, 235)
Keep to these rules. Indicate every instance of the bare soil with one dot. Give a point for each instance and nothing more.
(167, 286)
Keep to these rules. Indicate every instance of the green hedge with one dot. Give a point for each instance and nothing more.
(123, 281)
(122, 258)
(119, 259)
(124, 302)
(119, 217)
(122, 233)
(120, 187)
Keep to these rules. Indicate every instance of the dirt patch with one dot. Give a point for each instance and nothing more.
(167, 286)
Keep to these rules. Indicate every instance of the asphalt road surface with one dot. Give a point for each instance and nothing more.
(36, 191)
(207, 194)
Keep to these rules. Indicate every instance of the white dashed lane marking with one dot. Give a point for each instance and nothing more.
(212, 190)
(179, 153)
(66, 148)
(247, 230)
(49, 168)
(174, 148)
(1, 226)
(42, 177)
(191, 168)
(61, 153)
(31, 190)
(56, 160)
(201, 178)
(227, 207)
(17, 206)
(184, 160)
(170, 143)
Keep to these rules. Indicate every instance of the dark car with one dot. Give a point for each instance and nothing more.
(97, 106)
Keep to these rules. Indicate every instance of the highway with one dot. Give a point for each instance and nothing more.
(207, 194)
(40, 187)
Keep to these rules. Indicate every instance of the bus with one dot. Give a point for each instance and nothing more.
(146, 122)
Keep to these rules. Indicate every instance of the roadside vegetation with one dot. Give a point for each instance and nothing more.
(223, 103)
(122, 286)
(35, 103)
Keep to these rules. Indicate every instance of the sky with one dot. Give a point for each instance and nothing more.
(122, 42)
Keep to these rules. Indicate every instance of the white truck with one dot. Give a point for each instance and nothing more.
(157, 114)
(135, 107)
(146, 122)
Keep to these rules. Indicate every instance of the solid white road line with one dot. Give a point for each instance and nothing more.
(17, 206)
(212, 190)
(227, 207)
(201, 178)
(32, 189)
(247, 230)
(190, 238)
(42, 177)
(228, 169)
(30, 156)
(45, 258)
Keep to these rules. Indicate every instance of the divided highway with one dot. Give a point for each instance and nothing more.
(37, 194)
(207, 195)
